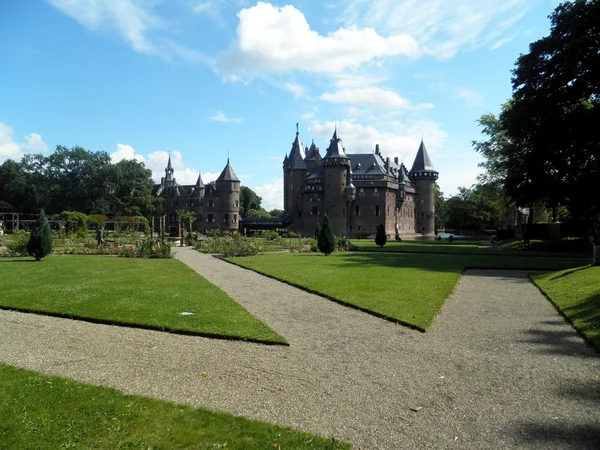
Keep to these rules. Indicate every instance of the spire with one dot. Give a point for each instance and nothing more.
(169, 170)
(422, 161)
(296, 158)
(199, 182)
(169, 166)
(228, 174)
(422, 166)
(335, 149)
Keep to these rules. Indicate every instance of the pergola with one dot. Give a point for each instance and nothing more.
(9, 217)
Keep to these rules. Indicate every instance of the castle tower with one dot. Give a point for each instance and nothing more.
(296, 175)
(228, 188)
(336, 165)
(168, 179)
(424, 176)
(313, 158)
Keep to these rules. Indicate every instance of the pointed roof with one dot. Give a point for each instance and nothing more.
(228, 174)
(422, 162)
(312, 152)
(335, 149)
(296, 158)
(169, 166)
(199, 182)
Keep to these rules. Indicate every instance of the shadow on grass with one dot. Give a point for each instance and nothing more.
(559, 435)
(8, 260)
(454, 262)
(569, 272)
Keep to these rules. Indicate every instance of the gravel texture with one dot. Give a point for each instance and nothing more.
(498, 369)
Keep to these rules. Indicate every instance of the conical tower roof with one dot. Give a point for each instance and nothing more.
(228, 174)
(335, 149)
(199, 182)
(296, 158)
(422, 161)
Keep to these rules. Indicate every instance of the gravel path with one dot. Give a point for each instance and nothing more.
(498, 369)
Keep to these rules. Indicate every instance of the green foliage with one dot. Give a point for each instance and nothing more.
(259, 213)
(149, 248)
(317, 231)
(142, 224)
(380, 237)
(277, 213)
(249, 200)
(271, 235)
(144, 292)
(40, 240)
(18, 243)
(97, 220)
(75, 222)
(326, 241)
(229, 246)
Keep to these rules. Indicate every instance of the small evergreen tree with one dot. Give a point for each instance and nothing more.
(326, 241)
(380, 237)
(40, 240)
(317, 231)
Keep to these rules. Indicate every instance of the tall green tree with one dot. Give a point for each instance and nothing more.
(248, 200)
(552, 119)
(326, 241)
(40, 239)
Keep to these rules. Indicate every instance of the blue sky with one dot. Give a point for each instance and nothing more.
(205, 80)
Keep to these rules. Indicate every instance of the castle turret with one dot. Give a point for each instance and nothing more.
(228, 188)
(336, 164)
(296, 171)
(313, 158)
(424, 176)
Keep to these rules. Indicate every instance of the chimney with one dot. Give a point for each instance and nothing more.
(396, 160)
(388, 166)
(377, 149)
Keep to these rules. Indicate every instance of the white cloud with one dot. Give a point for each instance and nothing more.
(272, 39)
(220, 116)
(134, 21)
(157, 162)
(370, 96)
(271, 194)
(441, 28)
(9, 149)
(210, 9)
(35, 143)
(472, 98)
(400, 139)
(297, 90)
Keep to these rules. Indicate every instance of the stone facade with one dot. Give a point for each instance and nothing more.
(216, 207)
(358, 191)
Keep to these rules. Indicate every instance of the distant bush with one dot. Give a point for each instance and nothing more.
(17, 244)
(75, 222)
(271, 235)
(229, 246)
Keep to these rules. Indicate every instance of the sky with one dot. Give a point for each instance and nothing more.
(205, 81)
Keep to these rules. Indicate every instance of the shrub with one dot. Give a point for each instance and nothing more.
(326, 240)
(380, 237)
(141, 224)
(75, 222)
(40, 240)
(17, 245)
(229, 246)
(271, 235)
(150, 248)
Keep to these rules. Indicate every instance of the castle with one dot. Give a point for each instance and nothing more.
(215, 206)
(358, 191)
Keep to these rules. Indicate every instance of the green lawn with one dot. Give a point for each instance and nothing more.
(576, 293)
(43, 412)
(407, 288)
(149, 293)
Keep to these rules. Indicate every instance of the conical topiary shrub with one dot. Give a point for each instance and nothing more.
(40, 240)
(380, 237)
(326, 241)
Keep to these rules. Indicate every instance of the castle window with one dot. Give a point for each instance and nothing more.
(235, 218)
(210, 218)
(376, 210)
(388, 210)
(375, 190)
(315, 211)
(343, 212)
(422, 215)
(226, 218)
(211, 203)
(200, 217)
(357, 211)
(237, 203)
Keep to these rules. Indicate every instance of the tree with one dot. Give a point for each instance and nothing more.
(277, 213)
(380, 237)
(440, 209)
(317, 231)
(248, 200)
(40, 240)
(553, 115)
(326, 241)
(259, 213)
